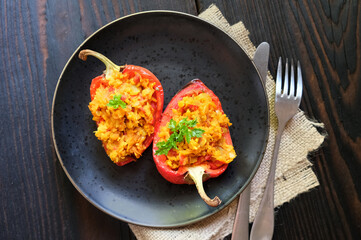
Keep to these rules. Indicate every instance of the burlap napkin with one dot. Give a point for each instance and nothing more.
(293, 175)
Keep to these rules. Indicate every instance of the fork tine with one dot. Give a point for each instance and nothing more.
(299, 80)
(279, 77)
(285, 82)
(299, 83)
(292, 82)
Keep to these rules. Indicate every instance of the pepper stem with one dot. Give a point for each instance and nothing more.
(83, 54)
(196, 173)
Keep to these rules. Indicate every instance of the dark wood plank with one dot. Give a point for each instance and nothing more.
(37, 200)
(325, 37)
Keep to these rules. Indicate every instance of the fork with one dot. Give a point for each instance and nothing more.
(287, 101)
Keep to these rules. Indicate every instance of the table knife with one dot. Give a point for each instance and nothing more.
(241, 222)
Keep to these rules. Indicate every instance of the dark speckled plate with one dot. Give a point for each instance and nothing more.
(177, 48)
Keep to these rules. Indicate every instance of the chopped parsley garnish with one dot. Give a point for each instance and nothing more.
(117, 102)
(180, 131)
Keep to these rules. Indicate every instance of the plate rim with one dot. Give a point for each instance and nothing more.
(109, 211)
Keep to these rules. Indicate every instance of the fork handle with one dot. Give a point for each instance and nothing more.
(263, 224)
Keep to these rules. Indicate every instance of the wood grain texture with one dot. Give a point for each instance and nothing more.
(37, 201)
(325, 37)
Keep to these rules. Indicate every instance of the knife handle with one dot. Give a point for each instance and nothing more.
(241, 222)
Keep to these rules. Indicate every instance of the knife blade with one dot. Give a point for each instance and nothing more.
(260, 59)
(241, 222)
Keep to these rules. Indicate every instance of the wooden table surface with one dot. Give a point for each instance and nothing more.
(37, 201)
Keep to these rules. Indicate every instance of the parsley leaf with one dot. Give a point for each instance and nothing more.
(197, 132)
(117, 102)
(187, 135)
(192, 123)
(180, 131)
(172, 125)
(163, 148)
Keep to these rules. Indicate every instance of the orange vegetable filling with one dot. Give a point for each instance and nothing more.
(211, 148)
(124, 130)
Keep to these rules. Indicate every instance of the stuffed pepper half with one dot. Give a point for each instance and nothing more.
(126, 102)
(192, 142)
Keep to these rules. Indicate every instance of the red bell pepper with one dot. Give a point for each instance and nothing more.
(194, 174)
(132, 71)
